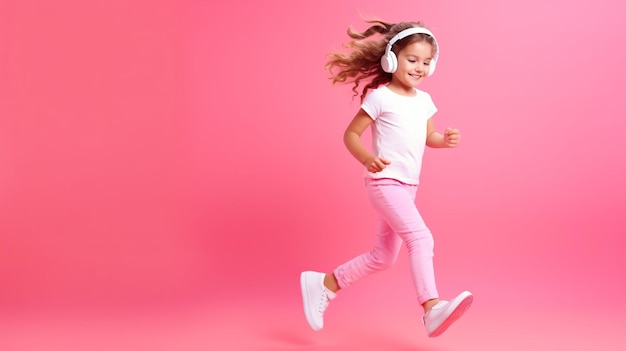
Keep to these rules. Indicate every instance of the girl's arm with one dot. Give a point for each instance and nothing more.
(451, 138)
(352, 140)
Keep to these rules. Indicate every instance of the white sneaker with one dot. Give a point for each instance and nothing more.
(315, 297)
(444, 313)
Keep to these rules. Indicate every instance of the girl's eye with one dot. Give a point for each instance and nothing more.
(412, 61)
(427, 63)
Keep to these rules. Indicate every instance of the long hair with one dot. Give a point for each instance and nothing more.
(362, 62)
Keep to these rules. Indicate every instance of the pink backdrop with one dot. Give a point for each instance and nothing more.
(159, 154)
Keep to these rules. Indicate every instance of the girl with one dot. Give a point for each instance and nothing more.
(400, 118)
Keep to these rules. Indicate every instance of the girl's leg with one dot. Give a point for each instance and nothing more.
(395, 203)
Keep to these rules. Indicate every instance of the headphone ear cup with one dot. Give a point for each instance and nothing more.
(384, 63)
(394, 62)
(389, 62)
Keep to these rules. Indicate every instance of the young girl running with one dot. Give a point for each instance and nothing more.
(400, 118)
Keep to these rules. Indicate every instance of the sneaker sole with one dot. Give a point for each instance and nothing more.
(305, 298)
(459, 310)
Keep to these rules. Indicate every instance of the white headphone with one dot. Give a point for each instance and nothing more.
(389, 61)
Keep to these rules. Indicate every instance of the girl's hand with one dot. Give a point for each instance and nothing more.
(375, 164)
(452, 137)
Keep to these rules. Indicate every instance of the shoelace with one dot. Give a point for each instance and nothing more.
(323, 302)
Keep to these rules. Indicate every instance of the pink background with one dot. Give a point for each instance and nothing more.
(167, 168)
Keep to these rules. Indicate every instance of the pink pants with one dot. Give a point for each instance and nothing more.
(400, 222)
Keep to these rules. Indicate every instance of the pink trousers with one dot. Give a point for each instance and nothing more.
(400, 222)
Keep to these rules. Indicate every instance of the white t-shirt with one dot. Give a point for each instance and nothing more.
(399, 131)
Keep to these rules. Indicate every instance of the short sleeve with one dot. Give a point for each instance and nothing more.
(431, 108)
(372, 104)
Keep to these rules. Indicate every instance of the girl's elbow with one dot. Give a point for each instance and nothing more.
(349, 134)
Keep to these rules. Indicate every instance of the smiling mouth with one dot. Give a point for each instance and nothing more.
(415, 76)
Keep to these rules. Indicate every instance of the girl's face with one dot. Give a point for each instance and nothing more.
(413, 66)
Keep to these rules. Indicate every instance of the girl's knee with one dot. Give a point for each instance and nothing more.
(381, 261)
(423, 244)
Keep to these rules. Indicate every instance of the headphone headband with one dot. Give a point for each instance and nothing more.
(410, 31)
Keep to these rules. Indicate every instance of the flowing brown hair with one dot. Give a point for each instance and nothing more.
(363, 59)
